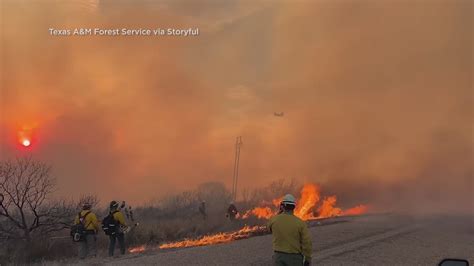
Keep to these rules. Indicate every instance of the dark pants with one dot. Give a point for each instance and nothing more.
(121, 242)
(287, 259)
(88, 246)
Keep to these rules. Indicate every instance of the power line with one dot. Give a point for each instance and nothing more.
(238, 144)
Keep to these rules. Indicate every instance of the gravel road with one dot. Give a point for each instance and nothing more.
(364, 240)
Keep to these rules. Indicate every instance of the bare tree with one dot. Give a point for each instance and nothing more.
(93, 200)
(25, 207)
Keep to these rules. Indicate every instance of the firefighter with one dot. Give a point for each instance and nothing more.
(87, 219)
(291, 240)
(232, 211)
(202, 209)
(119, 235)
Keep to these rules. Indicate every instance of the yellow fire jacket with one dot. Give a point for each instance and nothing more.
(290, 234)
(90, 221)
(118, 216)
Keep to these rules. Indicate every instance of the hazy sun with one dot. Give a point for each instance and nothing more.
(26, 143)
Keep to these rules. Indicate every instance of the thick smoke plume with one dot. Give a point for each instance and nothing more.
(377, 97)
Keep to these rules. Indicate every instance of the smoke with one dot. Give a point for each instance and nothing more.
(377, 97)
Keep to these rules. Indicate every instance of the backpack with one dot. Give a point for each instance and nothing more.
(78, 231)
(110, 225)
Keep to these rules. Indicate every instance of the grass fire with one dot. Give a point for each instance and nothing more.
(245, 232)
(310, 206)
(207, 135)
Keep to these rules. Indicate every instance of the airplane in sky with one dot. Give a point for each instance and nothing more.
(279, 114)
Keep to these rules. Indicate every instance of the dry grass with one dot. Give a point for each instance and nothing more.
(172, 218)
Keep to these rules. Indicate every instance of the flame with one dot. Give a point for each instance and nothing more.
(264, 212)
(306, 206)
(259, 212)
(245, 232)
(309, 198)
(357, 210)
(277, 201)
(138, 249)
(305, 210)
(327, 208)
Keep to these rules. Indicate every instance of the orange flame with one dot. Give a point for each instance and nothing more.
(277, 201)
(357, 210)
(309, 198)
(245, 232)
(327, 208)
(138, 249)
(305, 208)
(260, 213)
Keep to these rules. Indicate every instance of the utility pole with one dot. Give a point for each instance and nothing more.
(238, 144)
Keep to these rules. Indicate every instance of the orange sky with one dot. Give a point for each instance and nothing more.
(375, 94)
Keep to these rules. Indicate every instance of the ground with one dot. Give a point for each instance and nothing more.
(365, 240)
